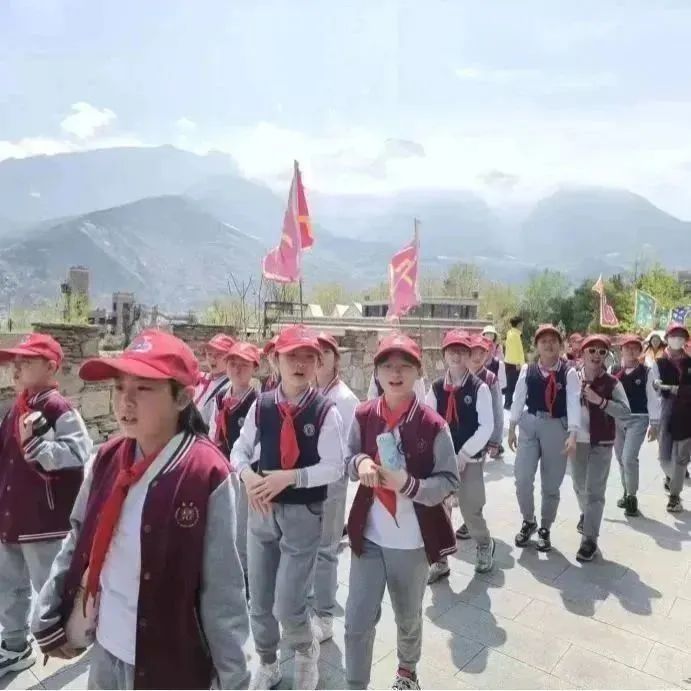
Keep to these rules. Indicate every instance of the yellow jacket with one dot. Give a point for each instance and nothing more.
(514, 354)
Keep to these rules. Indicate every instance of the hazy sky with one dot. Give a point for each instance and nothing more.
(506, 97)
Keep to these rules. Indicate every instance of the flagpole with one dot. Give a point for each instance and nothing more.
(416, 234)
(302, 315)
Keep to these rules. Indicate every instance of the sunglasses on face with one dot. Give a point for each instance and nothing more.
(597, 351)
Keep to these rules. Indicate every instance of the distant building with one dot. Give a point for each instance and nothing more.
(352, 311)
(78, 281)
(460, 309)
(123, 311)
(313, 310)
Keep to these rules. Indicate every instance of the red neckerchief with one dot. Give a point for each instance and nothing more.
(551, 389)
(392, 419)
(230, 402)
(128, 474)
(451, 414)
(289, 448)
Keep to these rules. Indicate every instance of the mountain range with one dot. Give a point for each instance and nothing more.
(172, 226)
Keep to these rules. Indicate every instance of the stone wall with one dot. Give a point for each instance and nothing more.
(196, 335)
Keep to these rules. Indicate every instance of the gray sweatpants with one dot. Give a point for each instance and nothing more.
(541, 441)
(627, 445)
(325, 583)
(676, 468)
(471, 501)
(404, 572)
(281, 553)
(107, 671)
(241, 508)
(589, 472)
(22, 566)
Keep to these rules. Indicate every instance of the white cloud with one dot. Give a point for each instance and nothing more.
(32, 146)
(544, 81)
(186, 125)
(86, 120)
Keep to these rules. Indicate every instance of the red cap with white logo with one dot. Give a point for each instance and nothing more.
(398, 343)
(328, 340)
(295, 337)
(152, 355)
(34, 345)
(456, 337)
(246, 351)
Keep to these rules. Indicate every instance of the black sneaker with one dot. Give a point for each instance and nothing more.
(544, 544)
(579, 525)
(631, 507)
(674, 504)
(666, 484)
(528, 529)
(15, 661)
(462, 533)
(621, 503)
(587, 550)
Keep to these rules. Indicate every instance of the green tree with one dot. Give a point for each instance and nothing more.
(542, 299)
(665, 287)
(578, 312)
(462, 280)
(498, 303)
(328, 295)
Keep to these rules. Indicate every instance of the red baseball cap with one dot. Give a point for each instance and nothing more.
(676, 326)
(294, 337)
(221, 343)
(246, 351)
(329, 340)
(269, 345)
(456, 337)
(153, 354)
(547, 329)
(481, 342)
(630, 339)
(575, 338)
(398, 343)
(34, 345)
(596, 338)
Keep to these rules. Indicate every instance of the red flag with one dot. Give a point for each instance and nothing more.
(608, 317)
(403, 280)
(306, 236)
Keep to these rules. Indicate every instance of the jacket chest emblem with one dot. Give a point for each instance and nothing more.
(467, 400)
(241, 421)
(308, 430)
(559, 386)
(421, 446)
(638, 382)
(187, 515)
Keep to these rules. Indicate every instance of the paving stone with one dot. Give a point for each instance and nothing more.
(587, 633)
(588, 670)
(670, 664)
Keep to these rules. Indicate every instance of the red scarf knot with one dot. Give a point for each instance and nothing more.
(290, 451)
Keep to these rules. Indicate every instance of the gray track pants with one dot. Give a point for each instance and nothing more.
(541, 442)
(471, 501)
(589, 472)
(404, 572)
(627, 445)
(107, 671)
(676, 468)
(281, 553)
(323, 596)
(22, 566)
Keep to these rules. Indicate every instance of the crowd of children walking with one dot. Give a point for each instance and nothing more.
(215, 516)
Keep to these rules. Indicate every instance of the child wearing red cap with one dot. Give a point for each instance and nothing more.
(325, 575)
(638, 382)
(297, 433)
(672, 374)
(44, 445)
(465, 401)
(215, 381)
(402, 453)
(603, 401)
(149, 575)
(547, 408)
(375, 389)
(232, 407)
(480, 364)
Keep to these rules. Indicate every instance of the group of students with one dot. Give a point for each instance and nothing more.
(219, 509)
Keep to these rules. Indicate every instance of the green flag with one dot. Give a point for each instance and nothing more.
(646, 306)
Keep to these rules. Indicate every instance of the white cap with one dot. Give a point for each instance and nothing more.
(489, 329)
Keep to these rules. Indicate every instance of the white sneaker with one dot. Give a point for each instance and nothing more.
(306, 671)
(267, 676)
(16, 661)
(323, 628)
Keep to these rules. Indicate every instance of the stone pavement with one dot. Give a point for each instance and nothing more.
(538, 620)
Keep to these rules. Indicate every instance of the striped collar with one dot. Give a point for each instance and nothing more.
(544, 371)
(170, 456)
(305, 400)
(413, 408)
(239, 401)
(464, 379)
(42, 396)
(331, 385)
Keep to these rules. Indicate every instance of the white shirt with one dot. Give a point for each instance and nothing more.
(485, 418)
(419, 389)
(401, 533)
(330, 447)
(346, 402)
(205, 395)
(573, 396)
(116, 630)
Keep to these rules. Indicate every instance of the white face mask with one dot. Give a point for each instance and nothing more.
(676, 342)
